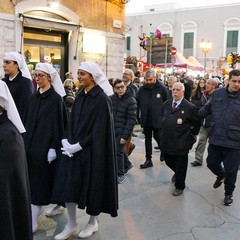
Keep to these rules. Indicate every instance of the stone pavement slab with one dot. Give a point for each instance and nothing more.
(148, 211)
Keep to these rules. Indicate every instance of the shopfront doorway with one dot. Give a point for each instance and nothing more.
(43, 45)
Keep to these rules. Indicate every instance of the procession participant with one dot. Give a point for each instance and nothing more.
(45, 124)
(87, 176)
(18, 79)
(15, 205)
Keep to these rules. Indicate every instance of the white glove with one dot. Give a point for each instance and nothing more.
(52, 155)
(70, 149)
(65, 142)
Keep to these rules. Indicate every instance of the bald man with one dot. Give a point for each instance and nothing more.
(180, 123)
(211, 86)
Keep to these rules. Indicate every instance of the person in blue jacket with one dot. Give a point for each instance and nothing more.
(224, 134)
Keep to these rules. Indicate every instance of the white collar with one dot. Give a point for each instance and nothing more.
(178, 102)
(11, 79)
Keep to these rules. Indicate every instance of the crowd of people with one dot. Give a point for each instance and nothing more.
(68, 142)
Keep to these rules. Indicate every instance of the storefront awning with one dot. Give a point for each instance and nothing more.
(48, 23)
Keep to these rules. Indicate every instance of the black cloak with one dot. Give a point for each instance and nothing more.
(89, 178)
(44, 130)
(15, 206)
(21, 89)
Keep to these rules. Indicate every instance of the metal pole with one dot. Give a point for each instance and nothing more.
(106, 59)
(165, 60)
(150, 53)
(205, 63)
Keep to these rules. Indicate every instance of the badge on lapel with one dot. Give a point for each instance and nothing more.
(179, 121)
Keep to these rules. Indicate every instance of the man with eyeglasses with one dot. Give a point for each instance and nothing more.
(124, 114)
(18, 79)
(224, 134)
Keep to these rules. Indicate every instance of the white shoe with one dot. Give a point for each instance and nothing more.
(88, 230)
(55, 211)
(66, 233)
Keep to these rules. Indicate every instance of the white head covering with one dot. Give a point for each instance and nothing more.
(55, 79)
(15, 56)
(98, 76)
(6, 101)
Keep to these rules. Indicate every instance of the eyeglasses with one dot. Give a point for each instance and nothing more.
(120, 87)
(39, 75)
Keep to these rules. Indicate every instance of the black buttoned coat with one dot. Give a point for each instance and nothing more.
(178, 126)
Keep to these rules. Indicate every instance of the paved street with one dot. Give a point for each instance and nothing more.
(148, 211)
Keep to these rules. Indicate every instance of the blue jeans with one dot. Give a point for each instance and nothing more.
(230, 158)
(120, 156)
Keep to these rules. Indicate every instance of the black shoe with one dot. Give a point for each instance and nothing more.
(127, 169)
(177, 192)
(173, 178)
(218, 182)
(196, 164)
(147, 164)
(228, 200)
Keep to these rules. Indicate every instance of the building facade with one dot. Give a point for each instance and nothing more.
(65, 32)
(188, 27)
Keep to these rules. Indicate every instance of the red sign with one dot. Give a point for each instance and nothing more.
(174, 50)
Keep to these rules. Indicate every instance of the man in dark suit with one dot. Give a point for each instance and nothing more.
(180, 123)
(151, 97)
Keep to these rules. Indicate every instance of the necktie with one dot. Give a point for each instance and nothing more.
(174, 105)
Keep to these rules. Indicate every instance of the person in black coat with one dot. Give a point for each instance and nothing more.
(179, 124)
(128, 77)
(87, 176)
(18, 80)
(45, 124)
(124, 114)
(15, 205)
(151, 97)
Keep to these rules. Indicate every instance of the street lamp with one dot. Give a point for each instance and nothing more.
(205, 46)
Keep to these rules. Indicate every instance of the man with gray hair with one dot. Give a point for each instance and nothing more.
(180, 122)
(128, 76)
(211, 85)
(151, 97)
(170, 81)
